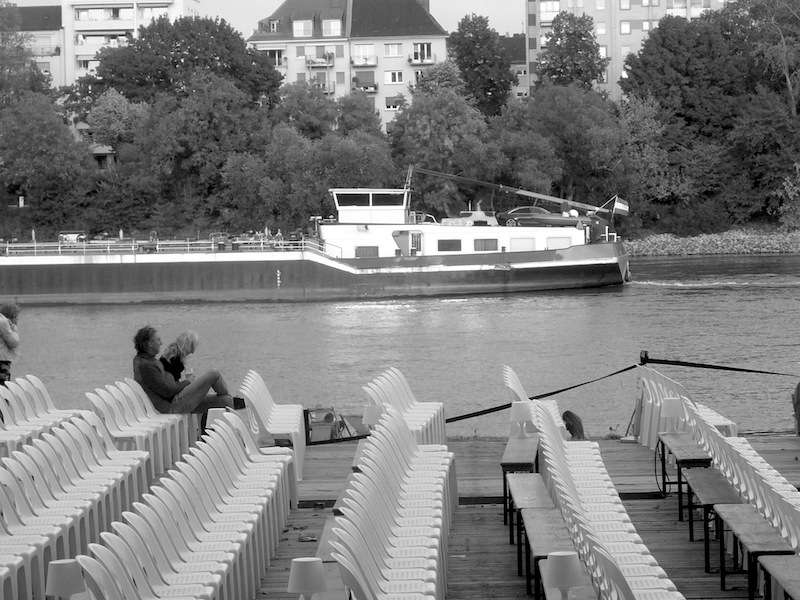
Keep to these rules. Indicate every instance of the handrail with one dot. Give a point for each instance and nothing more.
(166, 246)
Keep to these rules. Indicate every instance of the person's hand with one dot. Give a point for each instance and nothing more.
(188, 375)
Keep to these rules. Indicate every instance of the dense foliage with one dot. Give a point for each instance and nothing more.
(572, 54)
(706, 136)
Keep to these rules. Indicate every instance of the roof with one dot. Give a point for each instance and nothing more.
(39, 18)
(515, 47)
(390, 18)
(299, 10)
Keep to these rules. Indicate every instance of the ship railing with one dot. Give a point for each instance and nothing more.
(167, 246)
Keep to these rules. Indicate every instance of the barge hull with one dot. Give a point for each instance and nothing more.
(295, 276)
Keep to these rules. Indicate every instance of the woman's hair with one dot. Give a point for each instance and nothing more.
(142, 337)
(184, 345)
(573, 424)
(10, 311)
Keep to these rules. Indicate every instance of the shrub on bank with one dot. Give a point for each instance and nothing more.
(729, 242)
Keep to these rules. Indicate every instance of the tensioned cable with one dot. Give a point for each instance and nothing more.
(645, 359)
(487, 411)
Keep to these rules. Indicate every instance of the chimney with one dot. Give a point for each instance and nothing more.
(426, 4)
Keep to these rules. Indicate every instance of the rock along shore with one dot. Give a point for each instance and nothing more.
(729, 242)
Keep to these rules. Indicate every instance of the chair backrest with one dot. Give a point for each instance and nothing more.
(613, 580)
(117, 570)
(137, 565)
(512, 382)
(98, 579)
(42, 389)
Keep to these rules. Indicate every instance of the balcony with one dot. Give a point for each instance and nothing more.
(319, 62)
(364, 61)
(46, 50)
(367, 88)
(421, 59)
(326, 87)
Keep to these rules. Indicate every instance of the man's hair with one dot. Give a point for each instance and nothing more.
(142, 337)
(9, 311)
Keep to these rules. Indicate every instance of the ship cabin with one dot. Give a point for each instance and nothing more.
(379, 223)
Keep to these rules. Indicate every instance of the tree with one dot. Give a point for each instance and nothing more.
(699, 71)
(484, 64)
(441, 75)
(18, 72)
(113, 119)
(165, 55)
(790, 200)
(778, 46)
(443, 132)
(306, 108)
(572, 54)
(356, 112)
(42, 162)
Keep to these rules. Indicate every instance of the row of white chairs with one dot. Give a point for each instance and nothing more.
(26, 411)
(391, 389)
(754, 478)
(57, 493)
(269, 419)
(206, 530)
(390, 540)
(518, 394)
(619, 563)
(133, 422)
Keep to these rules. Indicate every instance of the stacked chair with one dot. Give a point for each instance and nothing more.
(391, 389)
(278, 421)
(620, 565)
(390, 540)
(205, 530)
(64, 484)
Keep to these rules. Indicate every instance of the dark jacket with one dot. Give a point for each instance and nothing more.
(160, 386)
(173, 366)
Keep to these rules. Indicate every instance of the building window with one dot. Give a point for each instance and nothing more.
(302, 28)
(273, 25)
(600, 4)
(486, 245)
(549, 9)
(366, 252)
(449, 245)
(600, 28)
(391, 50)
(422, 52)
(276, 56)
(331, 28)
(339, 77)
(418, 75)
(603, 51)
(532, 43)
(624, 4)
(44, 67)
(645, 25)
(393, 77)
(603, 77)
(571, 4)
(301, 77)
(300, 51)
(393, 102)
(531, 19)
(624, 51)
(625, 27)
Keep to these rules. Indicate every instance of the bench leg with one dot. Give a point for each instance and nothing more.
(752, 561)
(706, 539)
(690, 508)
(722, 558)
(680, 492)
(505, 499)
(519, 541)
(527, 566)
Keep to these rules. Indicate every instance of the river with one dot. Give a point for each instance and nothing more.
(736, 311)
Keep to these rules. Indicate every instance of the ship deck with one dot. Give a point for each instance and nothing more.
(481, 563)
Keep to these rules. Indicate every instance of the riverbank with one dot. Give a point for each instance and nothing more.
(729, 242)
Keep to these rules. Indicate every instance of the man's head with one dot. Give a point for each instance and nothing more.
(147, 341)
(10, 312)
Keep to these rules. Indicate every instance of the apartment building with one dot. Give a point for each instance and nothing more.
(514, 46)
(66, 35)
(377, 46)
(621, 26)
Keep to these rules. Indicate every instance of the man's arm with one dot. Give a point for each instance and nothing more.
(8, 332)
(159, 381)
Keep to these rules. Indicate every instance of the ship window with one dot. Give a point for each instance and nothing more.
(485, 245)
(449, 245)
(352, 199)
(366, 252)
(387, 199)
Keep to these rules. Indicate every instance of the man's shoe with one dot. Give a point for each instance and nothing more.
(238, 403)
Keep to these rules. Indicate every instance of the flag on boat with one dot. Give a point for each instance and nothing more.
(620, 206)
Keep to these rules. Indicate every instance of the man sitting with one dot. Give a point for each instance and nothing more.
(176, 397)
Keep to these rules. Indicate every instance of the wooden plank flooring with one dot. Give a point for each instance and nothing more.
(481, 563)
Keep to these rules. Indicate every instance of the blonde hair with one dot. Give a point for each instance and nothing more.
(184, 345)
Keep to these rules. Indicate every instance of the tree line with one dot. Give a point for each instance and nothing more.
(207, 136)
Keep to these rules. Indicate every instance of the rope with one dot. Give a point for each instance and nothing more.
(500, 407)
(644, 359)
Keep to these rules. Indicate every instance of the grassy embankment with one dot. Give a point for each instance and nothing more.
(729, 242)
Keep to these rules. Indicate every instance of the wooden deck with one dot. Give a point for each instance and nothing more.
(481, 563)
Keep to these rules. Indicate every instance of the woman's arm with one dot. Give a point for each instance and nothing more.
(8, 331)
